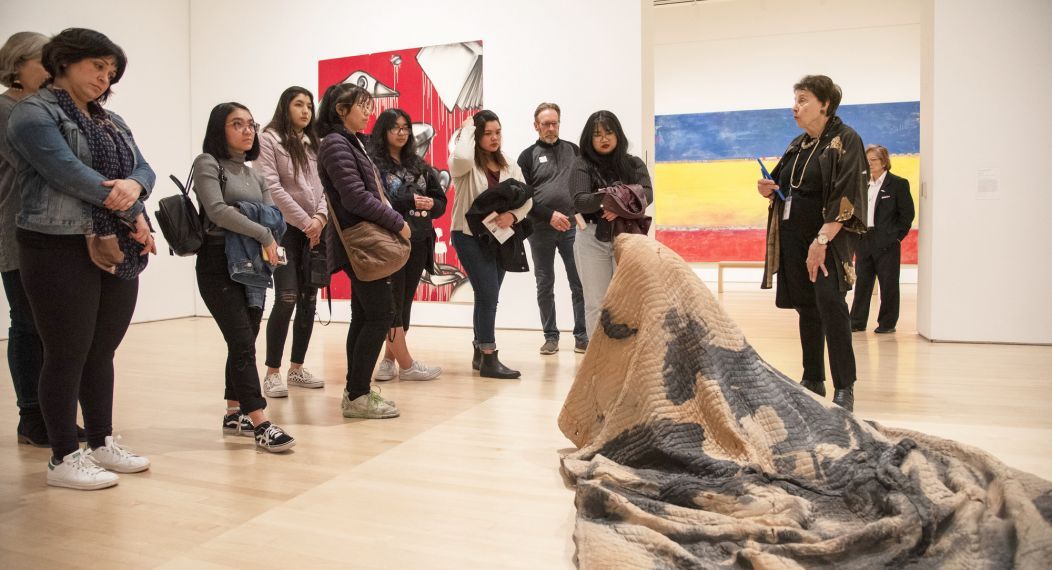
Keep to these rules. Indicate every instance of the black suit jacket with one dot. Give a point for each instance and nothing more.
(894, 213)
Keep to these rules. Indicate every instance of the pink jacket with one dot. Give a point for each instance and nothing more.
(299, 195)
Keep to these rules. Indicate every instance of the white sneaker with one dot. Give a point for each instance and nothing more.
(303, 378)
(370, 406)
(113, 457)
(78, 471)
(387, 371)
(418, 371)
(273, 387)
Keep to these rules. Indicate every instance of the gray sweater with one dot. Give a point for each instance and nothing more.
(217, 206)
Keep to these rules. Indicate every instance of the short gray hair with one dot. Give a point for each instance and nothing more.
(19, 48)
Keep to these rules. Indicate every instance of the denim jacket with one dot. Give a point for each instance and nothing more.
(244, 255)
(53, 168)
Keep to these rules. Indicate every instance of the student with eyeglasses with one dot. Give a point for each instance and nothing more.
(604, 161)
(413, 188)
(352, 186)
(222, 181)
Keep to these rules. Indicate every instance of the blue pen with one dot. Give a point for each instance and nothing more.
(767, 176)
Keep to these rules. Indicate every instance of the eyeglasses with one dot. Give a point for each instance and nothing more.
(366, 108)
(239, 125)
(549, 124)
(601, 135)
(407, 130)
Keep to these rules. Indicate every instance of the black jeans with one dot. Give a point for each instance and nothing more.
(25, 353)
(372, 311)
(824, 317)
(882, 265)
(239, 323)
(405, 282)
(291, 293)
(82, 314)
(545, 241)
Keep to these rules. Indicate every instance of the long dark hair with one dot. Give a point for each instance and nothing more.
(215, 142)
(615, 166)
(380, 149)
(481, 118)
(281, 124)
(340, 94)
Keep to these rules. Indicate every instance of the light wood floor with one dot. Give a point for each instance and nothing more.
(466, 478)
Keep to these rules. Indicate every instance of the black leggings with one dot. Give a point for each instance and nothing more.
(290, 293)
(239, 323)
(372, 311)
(81, 314)
(405, 281)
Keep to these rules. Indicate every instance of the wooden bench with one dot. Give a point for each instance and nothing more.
(733, 265)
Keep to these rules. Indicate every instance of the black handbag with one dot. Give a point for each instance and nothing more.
(316, 270)
(180, 223)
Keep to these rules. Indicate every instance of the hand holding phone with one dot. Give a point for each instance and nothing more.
(767, 176)
(282, 259)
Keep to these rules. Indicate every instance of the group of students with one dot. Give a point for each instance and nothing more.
(75, 235)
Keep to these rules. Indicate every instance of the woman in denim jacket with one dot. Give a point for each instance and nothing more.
(78, 164)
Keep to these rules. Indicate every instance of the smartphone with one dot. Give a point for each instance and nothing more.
(282, 260)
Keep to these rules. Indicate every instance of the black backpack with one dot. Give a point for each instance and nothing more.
(180, 223)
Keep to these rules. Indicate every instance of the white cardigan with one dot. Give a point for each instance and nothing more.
(469, 180)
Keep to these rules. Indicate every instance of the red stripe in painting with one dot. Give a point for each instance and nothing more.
(745, 244)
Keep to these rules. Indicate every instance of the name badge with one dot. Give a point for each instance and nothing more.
(785, 209)
(542, 159)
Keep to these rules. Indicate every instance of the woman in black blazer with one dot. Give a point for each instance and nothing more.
(879, 252)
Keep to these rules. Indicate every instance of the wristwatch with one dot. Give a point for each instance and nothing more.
(822, 239)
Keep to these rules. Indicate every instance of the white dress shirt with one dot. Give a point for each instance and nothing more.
(874, 191)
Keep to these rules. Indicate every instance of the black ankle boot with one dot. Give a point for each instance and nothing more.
(845, 398)
(816, 386)
(32, 431)
(476, 359)
(492, 367)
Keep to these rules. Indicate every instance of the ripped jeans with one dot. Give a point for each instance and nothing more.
(238, 322)
(291, 293)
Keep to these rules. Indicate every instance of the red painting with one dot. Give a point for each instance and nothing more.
(440, 87)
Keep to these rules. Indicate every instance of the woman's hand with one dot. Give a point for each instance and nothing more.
(313, 231)
(766, 187)
(816, 259)
(423, 202)
(609, 216)
(124, 193)
(141, 233)
(406, 231)
(505, 220)
(272, 253)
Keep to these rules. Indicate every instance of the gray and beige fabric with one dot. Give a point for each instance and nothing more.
(693, 452)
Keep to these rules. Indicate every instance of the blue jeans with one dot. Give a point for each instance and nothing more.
(486, 276)
(544, 242)
(25, 352)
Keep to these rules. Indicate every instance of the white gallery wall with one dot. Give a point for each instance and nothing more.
(746, 54)
(584, 55)
(153, 97)
(985, 119)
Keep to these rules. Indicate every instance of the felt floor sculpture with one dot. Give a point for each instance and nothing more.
(695, 453)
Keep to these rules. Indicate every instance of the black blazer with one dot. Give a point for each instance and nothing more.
(894, 213)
